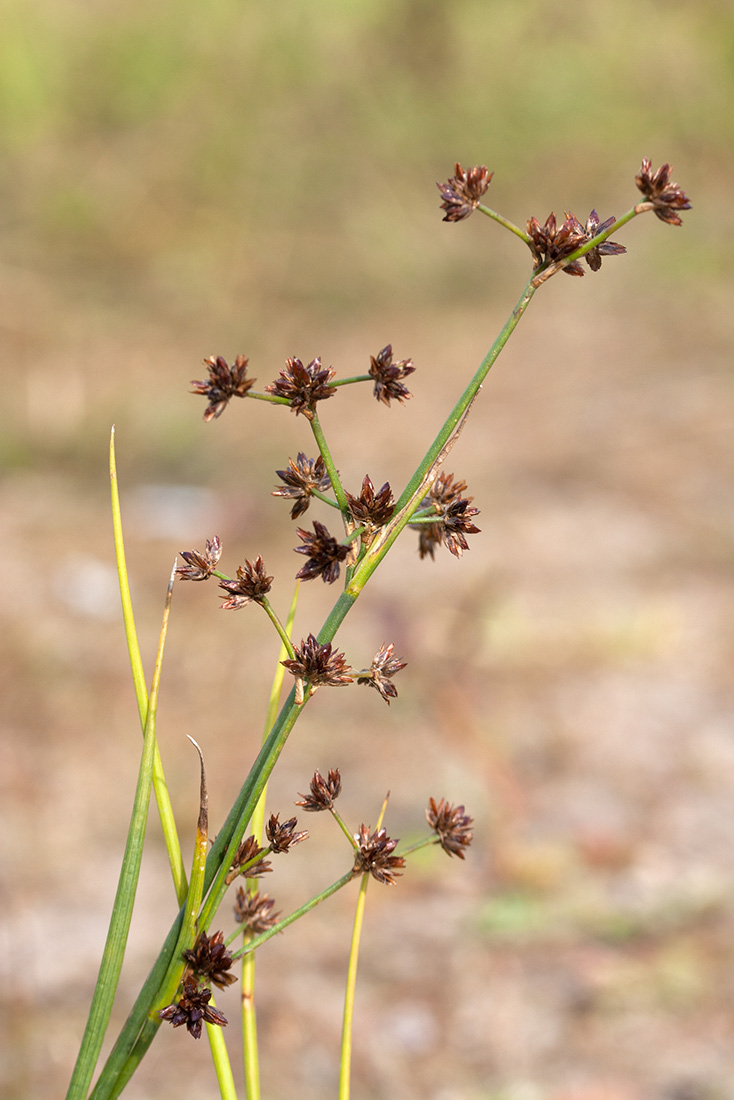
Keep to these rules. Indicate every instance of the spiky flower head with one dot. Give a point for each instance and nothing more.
(384, 667)
(454, 515)
(666, 196)
(254, 911)
(388, 376)
(324, 554)
(323, 793)
(252, 585)
(303, 386)
(461, 194)
(283, 836)
(224, 383)
(210, 959)
(374, 856)
(193, 1009)
(451, 825)
(551, 243)
(319, 665)
(606, 248)
(248, 851)
(300, 479)
(199, 567)
(371, 509)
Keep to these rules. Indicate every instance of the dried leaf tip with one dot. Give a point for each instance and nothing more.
(224, 383)
(461, 194)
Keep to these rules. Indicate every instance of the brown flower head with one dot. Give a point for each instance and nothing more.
(300, 479)
(374, 855)
(372, 509)
(224, 383)
(323, 551)
(319, 665)
(199, 567)
(252, 585)
(457, 524)
(388, 375)
(461, 194)
(210, 959)
(303, 386)
(254, 911)
(551, 243)
(323, 793)
(454, 515)
(606, 248)
(192, 1008)
(384, 667)
(666, 197)
(248, 850)
(452, 826)
(283, 837)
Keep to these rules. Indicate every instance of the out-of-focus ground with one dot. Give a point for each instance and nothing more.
(229, 178)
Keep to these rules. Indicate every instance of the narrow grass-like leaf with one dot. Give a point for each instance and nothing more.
(111, 965)
(160, 787)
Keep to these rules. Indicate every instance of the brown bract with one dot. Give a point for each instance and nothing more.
(319, 664)
(388, 375)
(254, 911)
(199, 567)
(372, 509)
(666, 196)
(384, 667)
(323, 551)
(460, 195)
(193, 1009)
(452, 826)
(374, 855)
(224, 383)
(252, 585)
(209, 958)
(300, 479)
(454, 515)
(248, 850)
(323, 792)
(283, 836)
(303, 386)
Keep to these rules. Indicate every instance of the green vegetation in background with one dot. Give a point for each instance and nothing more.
(199, 153)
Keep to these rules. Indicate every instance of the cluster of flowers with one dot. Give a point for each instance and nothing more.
(210, 962)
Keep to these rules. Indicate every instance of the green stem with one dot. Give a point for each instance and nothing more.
(286, 642)
(504, 222)
(544, 273)
(257, 941)
(329, 463)
(349, 381)
(343, 826)
(222, 1063)
(345, 1059)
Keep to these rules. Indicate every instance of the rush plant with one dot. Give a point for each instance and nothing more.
(223, 916)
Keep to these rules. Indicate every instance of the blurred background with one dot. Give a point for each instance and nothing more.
(181, 180)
